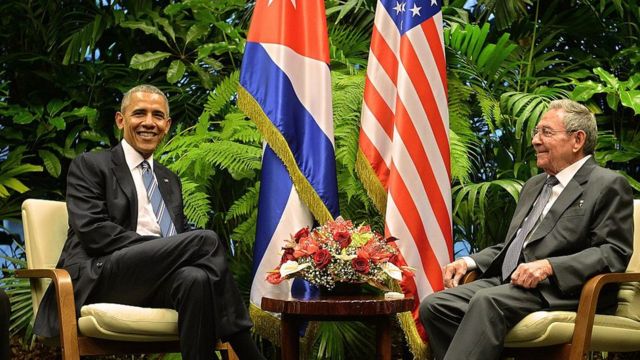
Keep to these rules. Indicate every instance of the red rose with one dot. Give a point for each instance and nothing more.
(322, 258)
(287, 255)
(343, 238)
(360, 265)
(274, 277)
(302, 233)
(394, 259)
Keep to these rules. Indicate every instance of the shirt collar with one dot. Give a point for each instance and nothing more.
(566, 174)
(133, 157)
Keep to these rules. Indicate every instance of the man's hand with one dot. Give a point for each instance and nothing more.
(453, 272)
(528, 275)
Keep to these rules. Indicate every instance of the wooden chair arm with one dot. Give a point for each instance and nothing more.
(470, 276)
(65, 301)
(587, 308)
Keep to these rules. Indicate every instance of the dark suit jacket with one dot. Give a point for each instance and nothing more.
(588, 231)
(103, 216)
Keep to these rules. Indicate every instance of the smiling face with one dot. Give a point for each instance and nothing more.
(561, 148)
(145, 121)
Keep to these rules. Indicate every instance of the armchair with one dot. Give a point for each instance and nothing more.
(568, 334)
(102, 328)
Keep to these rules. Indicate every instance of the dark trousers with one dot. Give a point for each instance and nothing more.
(471, 321)
(186, 272)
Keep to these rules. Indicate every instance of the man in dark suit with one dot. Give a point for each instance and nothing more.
(129, 241)
(572, 222)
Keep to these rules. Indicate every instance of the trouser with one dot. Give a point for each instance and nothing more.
(187, 272)
(471, 321)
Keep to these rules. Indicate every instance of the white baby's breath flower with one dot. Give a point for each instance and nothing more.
(291, 267)
(393, 271)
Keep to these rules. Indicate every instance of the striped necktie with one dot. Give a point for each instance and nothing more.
(512, 256)
(155, 198)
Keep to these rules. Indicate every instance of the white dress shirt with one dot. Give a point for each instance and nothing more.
(564, 176)
(147, 222)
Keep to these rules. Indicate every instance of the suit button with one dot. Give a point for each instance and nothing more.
(99, 264)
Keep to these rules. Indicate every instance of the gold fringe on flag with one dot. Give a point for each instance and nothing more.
(265, 324)
(417, 346)
(371, 183)
(277, 142)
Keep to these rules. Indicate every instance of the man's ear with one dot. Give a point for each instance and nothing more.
(168, 126)
(581, 138)
(119, 120)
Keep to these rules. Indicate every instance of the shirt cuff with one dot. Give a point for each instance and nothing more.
(471, 264)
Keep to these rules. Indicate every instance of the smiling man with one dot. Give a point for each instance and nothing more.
(129, 242)
(572, 222)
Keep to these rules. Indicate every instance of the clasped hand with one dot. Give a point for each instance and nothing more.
(526, 275)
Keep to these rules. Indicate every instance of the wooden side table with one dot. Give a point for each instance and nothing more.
(372, 308)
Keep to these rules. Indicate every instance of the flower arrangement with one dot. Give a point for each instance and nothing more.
(338, 251)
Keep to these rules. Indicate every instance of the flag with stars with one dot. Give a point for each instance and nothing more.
(285, 88)
(403, 156)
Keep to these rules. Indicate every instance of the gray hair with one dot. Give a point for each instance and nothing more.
(142, 88)
(578, 117)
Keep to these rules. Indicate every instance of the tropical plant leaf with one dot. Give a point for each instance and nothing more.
(51, 162)
(176, 71)
(223, 94)
(148, 60)
(197, 207)
(147, 28)
(245, 205)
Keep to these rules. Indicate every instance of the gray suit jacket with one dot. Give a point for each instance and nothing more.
(588, 231)
(103, 216)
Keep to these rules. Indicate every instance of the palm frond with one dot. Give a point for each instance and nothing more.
(246, 231)
(197, 207)
(236, 127)
(347, 103)
(223, 94)
(344, 340)
(476, 60)
(527, 109)
(245, 205)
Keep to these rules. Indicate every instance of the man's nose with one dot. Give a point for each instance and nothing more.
(148, 120)
(535, 140)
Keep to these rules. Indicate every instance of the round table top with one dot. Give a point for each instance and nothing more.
(347, 305)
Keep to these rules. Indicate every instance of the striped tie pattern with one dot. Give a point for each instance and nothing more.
(515, 248)
(155, 198)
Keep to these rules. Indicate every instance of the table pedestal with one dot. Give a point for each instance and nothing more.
(366, 308)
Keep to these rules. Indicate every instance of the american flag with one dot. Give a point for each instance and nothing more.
(404, 147)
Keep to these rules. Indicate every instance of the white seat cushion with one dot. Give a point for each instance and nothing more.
(544, 328)
(125, 319)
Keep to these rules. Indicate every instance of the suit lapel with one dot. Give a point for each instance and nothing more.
(123, 177)
(568, 197)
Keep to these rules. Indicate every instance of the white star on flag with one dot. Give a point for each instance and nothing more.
(293, 2)
(434, 2)
(399, 8)
(415, 10)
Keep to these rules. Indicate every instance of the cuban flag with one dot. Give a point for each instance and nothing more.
(403, 158)
(285, 88)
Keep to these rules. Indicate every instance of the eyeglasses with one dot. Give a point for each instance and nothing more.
(547, 132)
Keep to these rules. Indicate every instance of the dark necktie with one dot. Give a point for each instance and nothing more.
(515, 248)
(155, 198)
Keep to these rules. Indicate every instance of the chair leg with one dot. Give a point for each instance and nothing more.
(227, 351)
